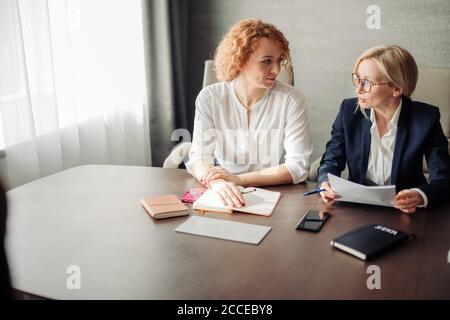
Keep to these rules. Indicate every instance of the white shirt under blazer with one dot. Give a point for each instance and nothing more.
(382, 153)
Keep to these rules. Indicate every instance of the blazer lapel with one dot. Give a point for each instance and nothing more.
(365, 147)
(400, 139)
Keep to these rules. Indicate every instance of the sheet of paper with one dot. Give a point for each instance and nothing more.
(259, 201)
(224, 229)
(354, 192)
(210, 201)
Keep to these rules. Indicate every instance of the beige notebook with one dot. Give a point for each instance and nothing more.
(164, 206)
(259, 201)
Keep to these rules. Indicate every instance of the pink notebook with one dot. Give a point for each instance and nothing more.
(193, 194)
(164, 206)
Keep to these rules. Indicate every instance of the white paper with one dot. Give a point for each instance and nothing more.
(259, 201)
(354, 192)
(224, 229)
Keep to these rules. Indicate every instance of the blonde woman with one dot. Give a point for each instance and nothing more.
(253, 126)
(382, 135)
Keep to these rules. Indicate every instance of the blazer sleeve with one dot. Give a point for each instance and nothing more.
(333, 161)
(437, 157)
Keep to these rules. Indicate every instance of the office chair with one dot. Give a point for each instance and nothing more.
(177, 155)
(433, 87)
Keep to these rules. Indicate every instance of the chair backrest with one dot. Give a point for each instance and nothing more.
(177, 155)
(209, 75)
(433, 87)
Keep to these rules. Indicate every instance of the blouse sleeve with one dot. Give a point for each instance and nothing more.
(203, 140)
(297, 141)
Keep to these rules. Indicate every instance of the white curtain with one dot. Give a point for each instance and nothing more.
(72, 86)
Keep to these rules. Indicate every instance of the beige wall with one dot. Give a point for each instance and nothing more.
(325, 38)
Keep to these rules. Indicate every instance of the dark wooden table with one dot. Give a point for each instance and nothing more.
(90, 216)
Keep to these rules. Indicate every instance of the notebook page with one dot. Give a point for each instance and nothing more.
(210, 201)
(260, 202)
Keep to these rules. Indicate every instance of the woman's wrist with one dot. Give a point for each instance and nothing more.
(242, 180)
(216, 185)
(202, 171)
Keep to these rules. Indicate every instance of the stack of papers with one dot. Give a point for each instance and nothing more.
(354, 192)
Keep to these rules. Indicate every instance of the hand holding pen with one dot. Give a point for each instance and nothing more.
(308, 193)
(325, 191)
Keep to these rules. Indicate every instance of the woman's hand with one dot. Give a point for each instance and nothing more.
(213, 173)
(206, 177)
(408, 200)
(328, 195)
(228, 193)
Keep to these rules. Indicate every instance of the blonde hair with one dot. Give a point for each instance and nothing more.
(240, 42)
(396, 64)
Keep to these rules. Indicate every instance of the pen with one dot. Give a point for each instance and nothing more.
(248, 191)
(312, 192)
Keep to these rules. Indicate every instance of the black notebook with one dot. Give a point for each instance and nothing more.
(369, 240)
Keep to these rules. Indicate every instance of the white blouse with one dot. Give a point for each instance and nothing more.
(278, 132)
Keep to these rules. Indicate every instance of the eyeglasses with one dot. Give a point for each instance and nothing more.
(366, 84)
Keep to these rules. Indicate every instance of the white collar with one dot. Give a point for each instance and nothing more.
(393, 123)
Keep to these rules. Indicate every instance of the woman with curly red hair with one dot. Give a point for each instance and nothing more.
(253, 126)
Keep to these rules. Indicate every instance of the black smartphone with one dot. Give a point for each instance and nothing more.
(313, 220)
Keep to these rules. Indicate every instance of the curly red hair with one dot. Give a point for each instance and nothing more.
(240, 42)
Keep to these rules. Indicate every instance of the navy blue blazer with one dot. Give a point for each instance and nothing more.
(419, 133)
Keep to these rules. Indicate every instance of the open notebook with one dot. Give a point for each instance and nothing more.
(259, 201)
